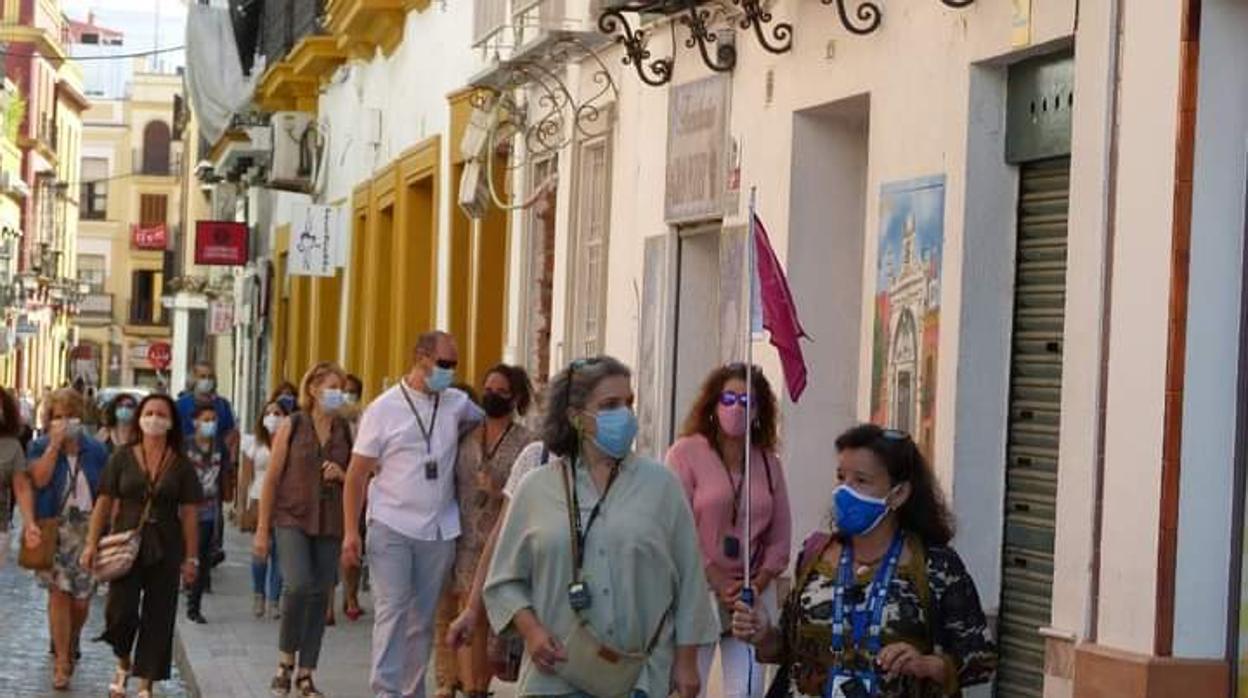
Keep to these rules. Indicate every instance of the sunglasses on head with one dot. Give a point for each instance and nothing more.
(895, 435)
(728, 398)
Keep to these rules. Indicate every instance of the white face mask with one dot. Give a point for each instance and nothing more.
(272, 422)
(154, 425)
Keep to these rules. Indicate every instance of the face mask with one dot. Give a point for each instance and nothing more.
(332, 399)
(271, 423)
(495, 405)
(615, 431)
(125, 415)
(203, 386)
(731, 420)
(440, 379)
(857, 514)
(73, 427)
(154, 425)
(207, 429)
(287, 402)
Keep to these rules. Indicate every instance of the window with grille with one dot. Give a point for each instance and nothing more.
(589, 268)
(92, 270)
(153, 210)
(93, 199)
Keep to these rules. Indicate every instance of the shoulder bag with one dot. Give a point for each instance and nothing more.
(593, 666)
(116, 552)
(41, 558)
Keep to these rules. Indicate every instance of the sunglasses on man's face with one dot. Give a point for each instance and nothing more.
(728, 398)
(445, 364)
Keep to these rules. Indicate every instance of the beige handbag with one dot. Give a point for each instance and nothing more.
(593, 666)
(116, 552)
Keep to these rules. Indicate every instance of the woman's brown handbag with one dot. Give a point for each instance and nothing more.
(506, 653)
(42, 557)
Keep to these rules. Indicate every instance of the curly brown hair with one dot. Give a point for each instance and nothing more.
(925, 512)
(763, 408)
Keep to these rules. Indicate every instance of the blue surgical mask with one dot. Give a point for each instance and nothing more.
(615, 430)
(332, 399)
(856, 513)
(207, 429)
(125, 415)
(440, 379)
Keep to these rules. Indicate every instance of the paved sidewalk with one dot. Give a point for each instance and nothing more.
(234, 654)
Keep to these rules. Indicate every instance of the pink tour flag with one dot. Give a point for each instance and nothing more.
(779, 312)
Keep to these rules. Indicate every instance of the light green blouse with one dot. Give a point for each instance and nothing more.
(641, 557)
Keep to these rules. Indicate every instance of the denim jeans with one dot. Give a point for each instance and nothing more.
(263, 570)
(310, 570)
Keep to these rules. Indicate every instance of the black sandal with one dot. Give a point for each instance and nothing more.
(280, 686)
(305, 687)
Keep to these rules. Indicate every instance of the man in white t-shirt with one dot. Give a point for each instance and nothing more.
(408, 439)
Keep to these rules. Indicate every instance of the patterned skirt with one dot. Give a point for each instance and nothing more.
(66, 574)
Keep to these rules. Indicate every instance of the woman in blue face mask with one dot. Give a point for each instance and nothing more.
(120, 428)
(882, 606)
(598, 555)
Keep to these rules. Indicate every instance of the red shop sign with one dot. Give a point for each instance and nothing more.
(153, 237)
(220, 243)
(159, 355)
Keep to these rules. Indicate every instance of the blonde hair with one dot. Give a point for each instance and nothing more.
(315, 375)
(69, 400)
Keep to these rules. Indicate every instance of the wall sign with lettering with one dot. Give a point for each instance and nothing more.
(697, 146)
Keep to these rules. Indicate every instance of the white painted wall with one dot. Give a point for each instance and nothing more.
(1141, 292)
(408, 90)
(1210, 409)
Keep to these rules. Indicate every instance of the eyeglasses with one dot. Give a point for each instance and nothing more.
(895, 435)
(728, 398)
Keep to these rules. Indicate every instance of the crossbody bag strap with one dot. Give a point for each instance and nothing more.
(71, 485)
(152, 485)
(567, 497)
(654, 639)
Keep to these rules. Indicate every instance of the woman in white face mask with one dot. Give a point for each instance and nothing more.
(883, 591)
(65, 469)
(266, 577)
(152, 477)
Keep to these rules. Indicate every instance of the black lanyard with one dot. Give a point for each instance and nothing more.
(488, 452)
(579, 534)
(433, 422)
(736, 485)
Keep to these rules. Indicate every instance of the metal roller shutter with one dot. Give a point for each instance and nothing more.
(1032, 441)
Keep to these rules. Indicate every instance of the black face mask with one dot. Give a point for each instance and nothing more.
(496, 405)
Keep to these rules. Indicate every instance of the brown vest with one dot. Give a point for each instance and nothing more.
(304, 500)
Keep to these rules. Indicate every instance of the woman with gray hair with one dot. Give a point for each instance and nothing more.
(627, 623)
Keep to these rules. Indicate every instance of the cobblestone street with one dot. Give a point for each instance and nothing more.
(26, 665)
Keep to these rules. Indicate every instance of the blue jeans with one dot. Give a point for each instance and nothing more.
(267, 569)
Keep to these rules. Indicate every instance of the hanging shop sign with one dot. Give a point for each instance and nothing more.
(220, 318)
(159, 355)
(152, 237)
(697, 165)
(220, 243)
(317, 242)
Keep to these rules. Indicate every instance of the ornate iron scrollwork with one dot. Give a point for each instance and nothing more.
(867, 14)
(756, 16)
(698, 21)
(636, 51)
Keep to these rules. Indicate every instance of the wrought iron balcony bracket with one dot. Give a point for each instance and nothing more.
(757, 16)
(866, 15)
(656, 72)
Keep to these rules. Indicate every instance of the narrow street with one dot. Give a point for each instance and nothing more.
(26, 665)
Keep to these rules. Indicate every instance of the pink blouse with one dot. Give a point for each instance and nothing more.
(710, 493)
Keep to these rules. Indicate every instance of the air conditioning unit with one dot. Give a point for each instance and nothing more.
(296, 146)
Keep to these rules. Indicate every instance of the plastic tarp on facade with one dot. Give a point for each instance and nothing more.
(214, 75)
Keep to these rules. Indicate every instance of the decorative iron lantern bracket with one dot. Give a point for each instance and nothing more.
(623, 19)
(867, 14)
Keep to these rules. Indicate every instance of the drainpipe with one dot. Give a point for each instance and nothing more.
(1107, 289)
(1176, 345)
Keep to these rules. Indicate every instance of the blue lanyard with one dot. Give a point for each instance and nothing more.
(875, 604)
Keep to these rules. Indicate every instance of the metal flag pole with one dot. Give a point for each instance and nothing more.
(747, 590)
